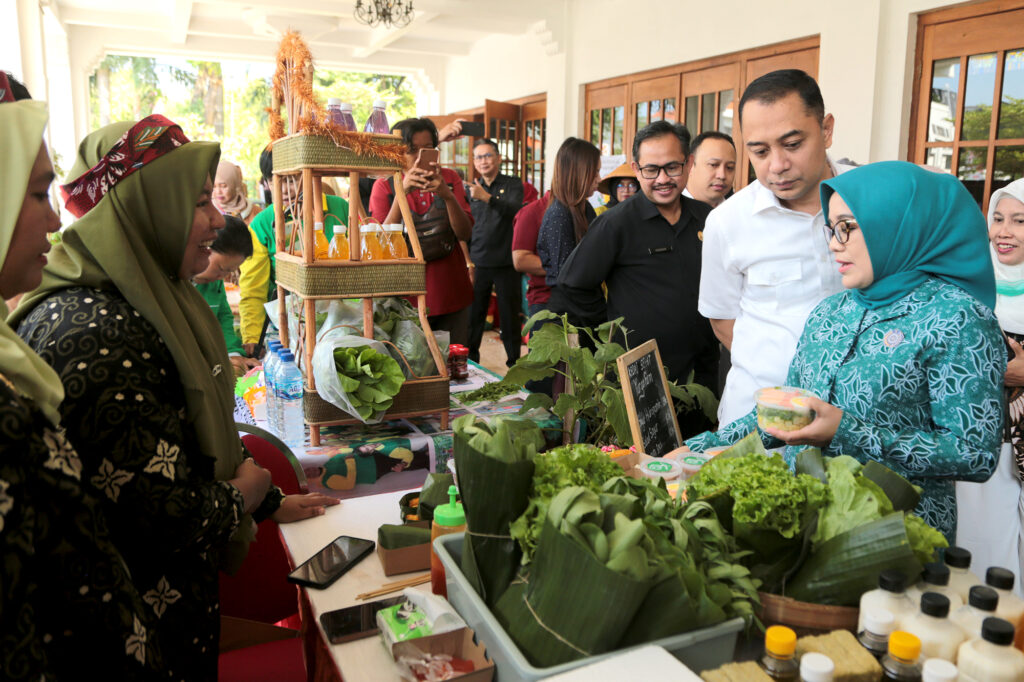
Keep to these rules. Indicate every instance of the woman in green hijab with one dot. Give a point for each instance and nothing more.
(68, 608)
(908, 362)
(149, 388)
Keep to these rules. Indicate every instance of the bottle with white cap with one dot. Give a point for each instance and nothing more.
(878, 625)
(981, 604)
(347, 122)
(378, 120)
(334, 110)
(815, 667)
(938, 670)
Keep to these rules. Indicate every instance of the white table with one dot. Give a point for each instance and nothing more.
(364, 659)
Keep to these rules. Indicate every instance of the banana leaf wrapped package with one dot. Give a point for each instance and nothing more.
(591, 572)
(495, 464)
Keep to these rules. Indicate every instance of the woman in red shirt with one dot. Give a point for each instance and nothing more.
(449, 290)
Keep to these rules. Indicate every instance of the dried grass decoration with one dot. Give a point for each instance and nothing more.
(293, 88)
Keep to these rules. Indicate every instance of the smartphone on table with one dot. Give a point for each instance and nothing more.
(331, 562)
(355, 622)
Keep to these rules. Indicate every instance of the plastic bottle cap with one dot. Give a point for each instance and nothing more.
(815, 667)
(936, 574)
(379, 104)
(318, 227)
(958, 557)
(450, 514)
(345, 106)
(334, 101)
(904, 645)
(984, 598)
(287, 356)
(273, 344)
(780, 640)
(935, 604)
(939, 670)
(371, 227)
(999, 578)
(997, 631)
(879, 621)
(892, 580)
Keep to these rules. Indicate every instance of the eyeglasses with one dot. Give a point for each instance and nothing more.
(841, 230)
(629, 185)
(673, 170)
(482, 157)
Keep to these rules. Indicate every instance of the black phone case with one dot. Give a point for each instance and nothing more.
(292, 578)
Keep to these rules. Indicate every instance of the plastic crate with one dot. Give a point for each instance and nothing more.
(699, 650)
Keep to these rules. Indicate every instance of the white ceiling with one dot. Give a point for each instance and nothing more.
(251, 29)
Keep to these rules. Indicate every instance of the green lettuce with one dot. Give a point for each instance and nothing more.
(854, 499)
(369, 379)
(924, 539)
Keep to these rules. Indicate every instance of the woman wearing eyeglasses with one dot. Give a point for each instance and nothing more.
(619, 185)
(907, 362)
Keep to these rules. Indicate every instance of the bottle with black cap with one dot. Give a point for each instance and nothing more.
(935, 578)
(940, 638)
(890, 596)
(961, 580)
(1010, 608)
(981, 604)
(991, 657)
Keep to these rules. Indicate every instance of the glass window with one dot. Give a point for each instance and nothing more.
(656, 114)
(1009, 166)
(606, 131)
(725, 111)
(707, 114)
(620, 124)
(940, 157)
(945, 88)
(528, 147)
(978, 95)
(691, 113)
(971, 170)
(670, 110)
(1011, 109)
(595, 126)
(641, 115)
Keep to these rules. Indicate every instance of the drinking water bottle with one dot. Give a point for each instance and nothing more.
(293, 429)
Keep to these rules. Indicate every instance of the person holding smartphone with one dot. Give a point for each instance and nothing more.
(429, 189)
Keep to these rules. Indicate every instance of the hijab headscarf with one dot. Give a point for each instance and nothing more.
(133, 241)
(21, 127)
(231, 175)
(916, 224)
(1009, 278)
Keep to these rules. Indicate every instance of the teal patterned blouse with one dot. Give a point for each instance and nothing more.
(919, 382)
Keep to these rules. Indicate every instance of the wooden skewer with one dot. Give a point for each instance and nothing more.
(388, 588)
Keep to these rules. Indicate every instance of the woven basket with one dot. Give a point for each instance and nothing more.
(295, 152)
(417, 396)
(806, 618)
(352, 281)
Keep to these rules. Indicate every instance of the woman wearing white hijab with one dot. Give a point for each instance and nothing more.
(68, 608)
(988, 528)
(229, 193)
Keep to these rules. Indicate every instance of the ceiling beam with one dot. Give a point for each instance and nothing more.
(125, 21)
(181, 15)
(381, 36)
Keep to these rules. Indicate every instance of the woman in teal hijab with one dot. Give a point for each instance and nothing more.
(908, 362)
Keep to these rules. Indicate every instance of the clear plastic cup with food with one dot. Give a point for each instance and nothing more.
(783, 408)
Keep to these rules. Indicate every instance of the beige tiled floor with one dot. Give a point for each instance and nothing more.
(492, 353)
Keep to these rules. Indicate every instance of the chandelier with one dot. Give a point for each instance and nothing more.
(396, 13)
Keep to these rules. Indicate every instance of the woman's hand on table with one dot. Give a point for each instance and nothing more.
(253, 481)
(1015, 369)
(299, 507)
(819, 432)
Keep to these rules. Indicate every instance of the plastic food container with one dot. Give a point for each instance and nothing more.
(783, 408)
(691, 462)
(669, 469)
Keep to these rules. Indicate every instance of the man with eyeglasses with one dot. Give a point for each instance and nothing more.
(766, 261)
(714, 168)
(648, 252)
(495, 198)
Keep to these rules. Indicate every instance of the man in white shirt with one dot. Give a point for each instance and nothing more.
(766, 262)
(714, 167)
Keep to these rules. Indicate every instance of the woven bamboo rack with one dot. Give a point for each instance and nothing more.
(306, 159)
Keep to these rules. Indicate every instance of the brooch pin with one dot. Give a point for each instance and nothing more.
(893, 338)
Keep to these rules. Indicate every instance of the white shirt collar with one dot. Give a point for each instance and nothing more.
(764, 198)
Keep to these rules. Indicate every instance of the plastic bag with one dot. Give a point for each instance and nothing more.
(412, 352)
(328, 385)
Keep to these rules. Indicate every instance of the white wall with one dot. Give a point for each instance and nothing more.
(865, 65)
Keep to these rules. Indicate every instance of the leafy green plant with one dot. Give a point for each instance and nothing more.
(596, 394)
(370, 379)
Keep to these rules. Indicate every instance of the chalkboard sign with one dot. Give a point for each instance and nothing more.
(652, 417)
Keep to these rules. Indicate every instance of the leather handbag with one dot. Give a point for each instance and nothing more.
(436, 236)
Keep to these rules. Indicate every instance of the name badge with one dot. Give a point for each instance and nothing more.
(660, 249)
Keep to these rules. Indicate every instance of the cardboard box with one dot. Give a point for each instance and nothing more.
(405, 559)
(458, 644)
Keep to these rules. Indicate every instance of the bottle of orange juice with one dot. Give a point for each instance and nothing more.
(397, 247)
(338, 250)
(370, 241)
(320, 246)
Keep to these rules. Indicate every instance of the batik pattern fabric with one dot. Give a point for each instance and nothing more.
(68, 608)
(920, 385)
(1014, 431)
(149, 139)
(125, 410)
